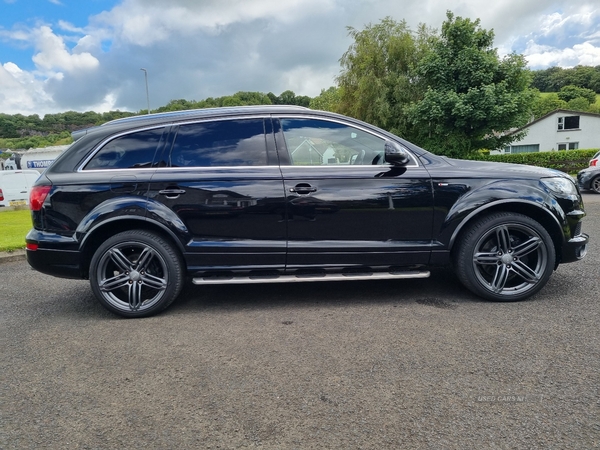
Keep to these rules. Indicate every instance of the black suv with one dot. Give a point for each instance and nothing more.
(287, 194)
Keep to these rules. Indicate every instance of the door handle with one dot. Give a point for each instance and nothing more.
(303, 188)
(172, 193)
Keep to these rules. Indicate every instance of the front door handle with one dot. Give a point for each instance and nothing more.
(172, 193)
(303, 188)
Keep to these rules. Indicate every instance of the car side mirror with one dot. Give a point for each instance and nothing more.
(396, 154)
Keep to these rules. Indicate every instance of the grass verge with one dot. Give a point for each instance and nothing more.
(14, 225)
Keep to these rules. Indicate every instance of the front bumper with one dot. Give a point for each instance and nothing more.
(575, 249)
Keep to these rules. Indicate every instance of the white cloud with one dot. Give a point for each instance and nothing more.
(20, 92)
(53, 53)
(542, 56)
(145, 22)
(197, 49)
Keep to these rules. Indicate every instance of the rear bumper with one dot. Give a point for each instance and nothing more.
(55, 255)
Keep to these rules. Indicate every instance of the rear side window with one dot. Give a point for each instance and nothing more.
(132, 151)
(221, 143)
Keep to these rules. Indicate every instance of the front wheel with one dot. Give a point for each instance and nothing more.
(595, 185)
(505, 257)
(136, 273)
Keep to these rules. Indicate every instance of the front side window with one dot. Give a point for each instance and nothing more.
(220, 143)
(314, 142)
(131, 151)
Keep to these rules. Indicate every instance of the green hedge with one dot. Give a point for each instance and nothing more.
(569, 161)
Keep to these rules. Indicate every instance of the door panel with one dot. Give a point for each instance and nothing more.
(218, 182)
(345, 206)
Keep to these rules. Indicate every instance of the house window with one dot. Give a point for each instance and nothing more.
(569, 146)
(568, 123)
(525, 148)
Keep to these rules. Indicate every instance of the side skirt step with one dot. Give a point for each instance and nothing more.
(320, 277)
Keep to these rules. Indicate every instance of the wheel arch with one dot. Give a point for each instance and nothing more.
(102, 231)
(527, 208)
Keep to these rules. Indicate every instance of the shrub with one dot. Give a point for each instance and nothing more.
(569, 161)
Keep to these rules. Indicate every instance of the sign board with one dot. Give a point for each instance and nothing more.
(39, 164)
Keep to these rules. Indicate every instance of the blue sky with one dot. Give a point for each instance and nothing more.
(25, 14)
(59, 55)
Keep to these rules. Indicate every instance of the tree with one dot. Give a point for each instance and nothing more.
(327, 100)
(544, 80)
(571, 92)
(378, 78)
(544, 104)
(289, 98)
(472, 95)
(554, 78)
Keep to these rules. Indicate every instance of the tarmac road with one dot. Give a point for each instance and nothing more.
(374, 365)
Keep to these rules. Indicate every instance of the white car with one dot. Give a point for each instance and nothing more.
(15, 186)
(595, 161)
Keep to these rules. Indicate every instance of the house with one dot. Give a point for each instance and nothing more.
(562, 129)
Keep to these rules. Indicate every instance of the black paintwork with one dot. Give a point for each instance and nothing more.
(279, 217)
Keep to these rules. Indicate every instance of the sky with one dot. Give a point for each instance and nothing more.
(86, 55)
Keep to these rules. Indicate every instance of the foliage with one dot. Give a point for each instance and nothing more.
(544, 104)
(327, 100)
(241, 98)
(472, 95)
(554, 78)
(569, 161)
(63, 138)
(570, 92)
(18, 125)
(378, 77)
(15, 225)
(578, 104)
(289, 98)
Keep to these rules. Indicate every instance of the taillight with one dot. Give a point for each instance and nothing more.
(1, 195)
(593, 162)
(37, 197)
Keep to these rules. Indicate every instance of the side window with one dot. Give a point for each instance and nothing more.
(132, 151)
(314, 142)
(222, 143)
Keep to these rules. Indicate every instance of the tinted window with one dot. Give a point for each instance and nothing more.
(571, 122)
(132, 151)
(223, 143)
(312, 142)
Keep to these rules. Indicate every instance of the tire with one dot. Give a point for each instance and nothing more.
(505, 257)
(136, 273)
(595, 185)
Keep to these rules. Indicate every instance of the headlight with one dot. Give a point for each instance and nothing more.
(560, 185)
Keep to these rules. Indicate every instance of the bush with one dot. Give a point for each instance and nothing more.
(569, 161)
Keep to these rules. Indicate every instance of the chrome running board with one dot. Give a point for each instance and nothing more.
(317, 277)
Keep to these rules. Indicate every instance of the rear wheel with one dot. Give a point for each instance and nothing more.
(505, 257)
(136, 273)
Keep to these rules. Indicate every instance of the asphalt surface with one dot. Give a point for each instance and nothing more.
(374, 365)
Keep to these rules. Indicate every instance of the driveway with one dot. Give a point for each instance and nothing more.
(374, 365)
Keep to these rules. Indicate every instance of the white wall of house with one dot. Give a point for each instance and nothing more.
(559, 130)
